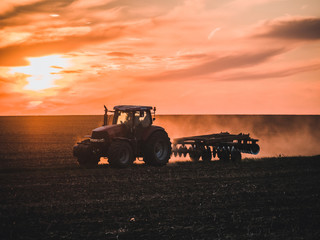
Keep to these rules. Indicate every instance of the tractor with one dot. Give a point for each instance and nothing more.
(127, 133)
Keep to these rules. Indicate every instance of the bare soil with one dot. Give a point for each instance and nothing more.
(274, 198)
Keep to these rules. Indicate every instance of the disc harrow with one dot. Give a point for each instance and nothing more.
(226, 146)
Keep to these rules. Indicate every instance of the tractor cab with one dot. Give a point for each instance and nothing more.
(133, 117)
(136, 118)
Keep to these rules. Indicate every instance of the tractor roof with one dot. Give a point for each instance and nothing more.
(131, 108)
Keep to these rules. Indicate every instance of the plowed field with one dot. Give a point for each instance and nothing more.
(275, 198)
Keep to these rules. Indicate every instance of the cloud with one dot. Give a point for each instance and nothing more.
(120, 54)
(22, 7)
(58, 67)
(10, 5)
(11, 99)
(272, 73)
(33, 104)
(69, 72)
(213, 32)
(217, 64)
(249, 3)
(304, 29)
(193, 56)
(14, 55)
(85, 4)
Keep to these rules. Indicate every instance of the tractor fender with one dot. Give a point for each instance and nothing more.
(150, 131)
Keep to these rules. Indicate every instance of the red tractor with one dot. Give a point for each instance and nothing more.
(127, 134)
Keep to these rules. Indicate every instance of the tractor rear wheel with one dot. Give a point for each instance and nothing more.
(157, 149)
(120, 154)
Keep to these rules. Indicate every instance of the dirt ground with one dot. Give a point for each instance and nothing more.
(275, 198)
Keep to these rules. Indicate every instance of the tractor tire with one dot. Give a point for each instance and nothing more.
(84, 153)
(157, 149)
(120, 154)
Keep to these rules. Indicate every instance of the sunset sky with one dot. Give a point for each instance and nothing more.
(182, 56)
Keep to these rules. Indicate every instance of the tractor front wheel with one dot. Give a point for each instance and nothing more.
(84, 152)
(120, 154)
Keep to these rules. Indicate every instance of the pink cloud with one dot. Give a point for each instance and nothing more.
(216, 64)
(280, 72)
(14, 55)
(119, 54)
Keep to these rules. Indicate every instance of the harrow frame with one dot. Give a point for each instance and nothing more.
(224, 145)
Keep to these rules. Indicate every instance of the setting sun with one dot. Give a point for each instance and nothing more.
(42, 71)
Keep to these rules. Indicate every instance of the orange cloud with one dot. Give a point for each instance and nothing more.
(285, 71)
(120, 54)
(15, 55)
(217, 64)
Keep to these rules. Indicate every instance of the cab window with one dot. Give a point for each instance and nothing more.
(123, 118)
(142, 119)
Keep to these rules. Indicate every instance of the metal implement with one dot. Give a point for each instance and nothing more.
(224, 145)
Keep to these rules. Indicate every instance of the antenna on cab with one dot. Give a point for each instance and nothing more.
(154, 113)
(105, 118)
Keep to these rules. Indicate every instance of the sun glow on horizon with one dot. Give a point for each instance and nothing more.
(182, 56)
(42, 71)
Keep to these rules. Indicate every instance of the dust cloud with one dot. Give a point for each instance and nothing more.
(279, 135)
(45, 141)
